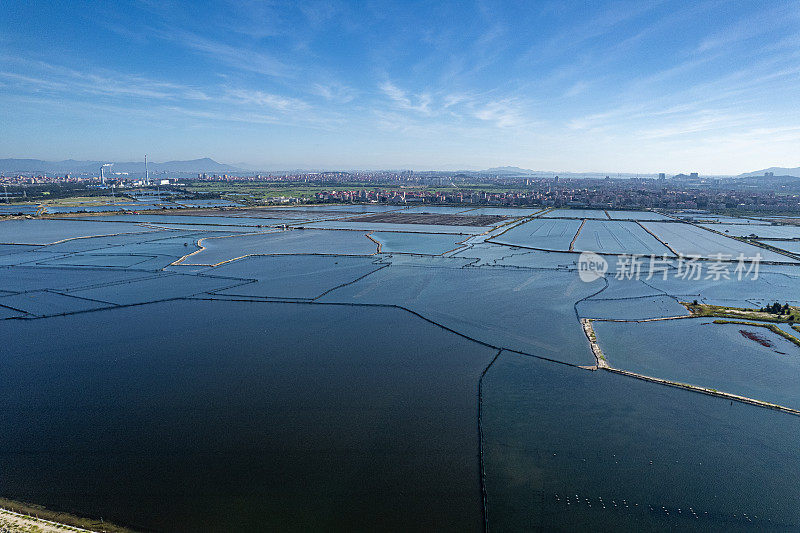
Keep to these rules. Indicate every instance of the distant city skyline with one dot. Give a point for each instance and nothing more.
(630, 87)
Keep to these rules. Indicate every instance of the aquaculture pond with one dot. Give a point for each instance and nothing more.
(218, 376)
(387, 226)
(293, 276)
(746, 360)
(266, 416)
(219, 249)
(529, 311)
(207, 220)
(636, 215)
(49, 231)
(759, 230)
(617, 237)
(541, 233)
(566, 449)
(410, 243)
(789, 246)
(504, 211)
(577, 213)
(635, 308)
(750, 291)
(693, 240)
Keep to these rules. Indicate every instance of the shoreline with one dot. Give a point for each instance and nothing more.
(602, 364)
(22, 516)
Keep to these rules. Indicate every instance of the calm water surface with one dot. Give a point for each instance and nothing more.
(567, 449)
(216, 415)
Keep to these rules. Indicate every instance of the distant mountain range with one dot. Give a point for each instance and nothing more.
(517, 172)
(778, 171)
(10, 166)
(511, 171)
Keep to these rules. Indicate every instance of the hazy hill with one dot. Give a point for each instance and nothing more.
(778, 171)
(515, 171)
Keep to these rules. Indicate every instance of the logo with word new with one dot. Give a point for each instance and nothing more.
(591, 266)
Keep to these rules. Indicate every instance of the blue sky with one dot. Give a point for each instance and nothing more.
(566, 86)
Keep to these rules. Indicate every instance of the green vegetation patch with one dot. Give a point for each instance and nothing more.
(773, 313)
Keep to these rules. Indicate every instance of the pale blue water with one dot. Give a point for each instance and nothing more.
(438, 209)
(12, 209)
(636, 215)
(529, 311)
(206, 203)
(747, 292)
(618, 237)
(409, 243)
(541, 233)
(721, 219)
(698, 352)
(180, 220)
(637, 308)
(302, 277)
(385, 226)
(692, 240)
(789, 246)
(297, 241)
(577, 213)
(745, 230)
(504, 211)
(48, 231)
(359, 208)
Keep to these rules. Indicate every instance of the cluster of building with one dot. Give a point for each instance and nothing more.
(682, 191)
(37, 179)
(593, 193)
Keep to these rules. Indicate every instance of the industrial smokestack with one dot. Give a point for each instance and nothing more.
(103, 173)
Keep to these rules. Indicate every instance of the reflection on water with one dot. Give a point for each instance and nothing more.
(345, 411)
(568, 449)
(229, 415)
(699, 352)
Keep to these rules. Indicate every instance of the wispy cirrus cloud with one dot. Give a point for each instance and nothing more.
(240, 57)
(502, 113)
(460, 110)
(700, 122)
(334, 92)
(751, 26)
(265, 99)
(566, 83)
(49, 77)
(58, 84)
(420, 103)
